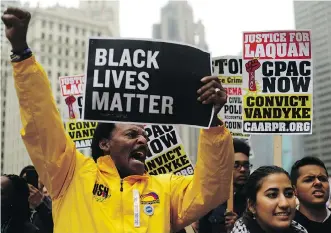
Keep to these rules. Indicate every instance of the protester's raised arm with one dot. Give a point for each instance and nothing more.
(193, 197)
(51, 151)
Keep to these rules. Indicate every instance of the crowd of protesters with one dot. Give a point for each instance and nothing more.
(102, 193)
(274, 200)
(268, 200)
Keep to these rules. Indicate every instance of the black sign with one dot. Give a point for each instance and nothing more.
(145, 82)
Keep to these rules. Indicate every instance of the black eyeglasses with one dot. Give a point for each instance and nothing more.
(238, 165)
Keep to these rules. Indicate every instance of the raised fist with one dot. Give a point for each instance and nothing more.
(16, 21)
(252, 65)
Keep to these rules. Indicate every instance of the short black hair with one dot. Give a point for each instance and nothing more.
(20, 196)
(309, 160)
(240, 146)
(102, 131)
(27, 168)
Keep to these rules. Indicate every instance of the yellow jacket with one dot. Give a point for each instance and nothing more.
(91, 197)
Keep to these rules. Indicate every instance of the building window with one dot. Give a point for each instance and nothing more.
(59, 63)
(42, 59)
(77, 30)
(60, 51)
(49, 74)
(111, 15)
(82, 66)
(58, 74)
(76, 54)
(50, 37)
(83, 55)
(99, 33)
(60, 27)
(67, 28)
(83, 43)
(42, 35)
(76, 42)
(58, 99)
(42, 48)
(67, 40)
(67, 64)
(84, 31)
(51, 25)
(49, 61)
(50, 49)
(172, 29)
(58, 88)
(60, 39)
(76, 66)
(67, 52)
(43, 23)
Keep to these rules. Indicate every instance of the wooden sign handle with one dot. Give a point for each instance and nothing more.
(278, 150)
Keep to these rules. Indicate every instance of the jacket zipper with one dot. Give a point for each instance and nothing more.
(121, 189)
(122, 214)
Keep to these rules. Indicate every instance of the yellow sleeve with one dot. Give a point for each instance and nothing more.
(194, 196)
(50, 148)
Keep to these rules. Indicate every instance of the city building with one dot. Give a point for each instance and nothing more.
(5, 73)
(177, 24)
(57, 36)
(262, 147)
(316, 16)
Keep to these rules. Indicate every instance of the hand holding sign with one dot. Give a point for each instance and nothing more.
(212, 93)
(251, 67)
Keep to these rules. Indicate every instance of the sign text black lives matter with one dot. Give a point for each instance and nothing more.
(145, 82)
(277, 82)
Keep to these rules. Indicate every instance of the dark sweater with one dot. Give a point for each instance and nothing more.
(311, 226)
(14, 226)
(42, 218)
(214, 221)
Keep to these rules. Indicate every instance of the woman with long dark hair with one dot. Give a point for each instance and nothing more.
(270, 203)
(15, 211)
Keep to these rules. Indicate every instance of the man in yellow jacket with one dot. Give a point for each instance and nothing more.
(113, 194)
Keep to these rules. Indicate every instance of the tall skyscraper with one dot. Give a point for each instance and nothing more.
(57, 37)
(5, 72)
(177, 24)
(316, 16)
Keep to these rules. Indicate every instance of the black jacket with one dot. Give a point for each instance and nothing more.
(42, 216)
(311, 226)
(15, 226)
(214, 221)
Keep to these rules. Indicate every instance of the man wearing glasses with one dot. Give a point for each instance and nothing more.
(220, 220)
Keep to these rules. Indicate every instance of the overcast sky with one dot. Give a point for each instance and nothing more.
(224, 20)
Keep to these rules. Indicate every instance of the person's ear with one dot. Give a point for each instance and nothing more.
(104, 144)
(295, 190)
(251, 207)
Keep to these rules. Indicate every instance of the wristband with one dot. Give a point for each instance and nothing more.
(17, 57)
